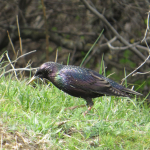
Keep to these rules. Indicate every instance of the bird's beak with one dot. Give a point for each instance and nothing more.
(32, 79)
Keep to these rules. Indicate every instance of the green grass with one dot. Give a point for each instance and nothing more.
(113, 123)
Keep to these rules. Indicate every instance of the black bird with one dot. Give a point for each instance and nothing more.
(81, 82)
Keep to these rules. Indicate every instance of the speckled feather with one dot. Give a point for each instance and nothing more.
(81, 82)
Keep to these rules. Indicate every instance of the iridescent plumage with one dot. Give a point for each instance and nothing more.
(81, 82)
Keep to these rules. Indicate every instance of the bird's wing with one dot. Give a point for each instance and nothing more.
(87, 81)
(116, 88)
(92, 82)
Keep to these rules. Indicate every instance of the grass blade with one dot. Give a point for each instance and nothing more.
(91, 48)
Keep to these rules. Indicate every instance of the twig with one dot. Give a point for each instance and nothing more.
(110, 74)
(1, 58)
(142, 47)
(135, 70)
(122, 48)
(46, 29)
(56, 56)
(60, 123)
(140, 73)
(19, 58)
(20, 41)
(126, 47)
(138, 53)
(112, 40)
(99, 15)
(24, 55)
(11, 65)
(147, 47)
(146, 28)
(18, 69)
(22, 72)
(12, 44)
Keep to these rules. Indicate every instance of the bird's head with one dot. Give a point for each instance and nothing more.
(46, 70)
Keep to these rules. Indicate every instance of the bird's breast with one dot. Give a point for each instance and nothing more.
(58, 81)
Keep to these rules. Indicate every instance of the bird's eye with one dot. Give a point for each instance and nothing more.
(39, 73)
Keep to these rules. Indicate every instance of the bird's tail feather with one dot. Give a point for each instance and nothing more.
(129, 91)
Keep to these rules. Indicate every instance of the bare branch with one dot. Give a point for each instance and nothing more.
(1, 58)
(126, 47)
(12, 44)
(144, 39)
(11, 65)
(140, 73)
(135, 70)
(120, 48)
(18, 69)
(19, 58)
(142, 47)
(20, 41)
(131, 47)
(99, 15)
(46, 29)
(146, 28)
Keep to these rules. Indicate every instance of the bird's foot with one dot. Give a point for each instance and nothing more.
(89, 108)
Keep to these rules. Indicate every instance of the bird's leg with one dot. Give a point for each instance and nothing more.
(89, 104)
(89, 108)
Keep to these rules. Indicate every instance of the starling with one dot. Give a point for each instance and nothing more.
(81, 82)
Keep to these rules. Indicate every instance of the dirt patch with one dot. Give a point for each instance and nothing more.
(15, 140)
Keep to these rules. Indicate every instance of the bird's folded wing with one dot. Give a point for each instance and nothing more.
(93, 82)
(87, 82)
(117, 88)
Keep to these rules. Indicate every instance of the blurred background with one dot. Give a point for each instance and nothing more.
(72, 28)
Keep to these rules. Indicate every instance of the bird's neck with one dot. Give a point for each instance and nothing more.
(58, 81)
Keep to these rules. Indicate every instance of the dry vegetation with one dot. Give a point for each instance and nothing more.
(14, 140)
(73, 27)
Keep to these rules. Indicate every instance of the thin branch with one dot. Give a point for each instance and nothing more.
(135, 70)
(99, 15)
(19, 58)
(140, 73)
(138, 53)
(56, 56)
(122, 48)
(126, 47)
(110, 74)
(146, 28)
(24, 55)
(18, 69)
(12, 65)
(112, 40)
(147, 47)
(142, 47)
(20, 41)
(46, 29)
(12, 44)
(1, 58)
